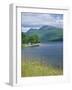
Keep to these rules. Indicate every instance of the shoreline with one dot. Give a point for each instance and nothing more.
(41, 44)
(30, 45)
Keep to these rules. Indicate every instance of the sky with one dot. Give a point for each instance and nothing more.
(37, 20)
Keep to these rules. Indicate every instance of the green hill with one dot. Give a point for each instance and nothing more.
(47, 33)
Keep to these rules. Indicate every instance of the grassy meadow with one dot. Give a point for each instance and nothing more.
(36, 68)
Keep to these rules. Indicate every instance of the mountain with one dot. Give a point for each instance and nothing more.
(47, 27)
(47, 33)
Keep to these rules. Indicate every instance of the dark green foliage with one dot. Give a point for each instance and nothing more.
(33, 39)
(25, 38)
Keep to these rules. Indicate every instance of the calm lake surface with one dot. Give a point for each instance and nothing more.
(50, 53)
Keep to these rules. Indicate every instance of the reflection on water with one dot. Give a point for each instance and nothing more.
(51, 53)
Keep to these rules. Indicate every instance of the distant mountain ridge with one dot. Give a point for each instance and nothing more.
(47, 33)
(47, 27)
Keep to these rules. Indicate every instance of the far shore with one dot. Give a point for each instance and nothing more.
(39, 44)
(30, 45)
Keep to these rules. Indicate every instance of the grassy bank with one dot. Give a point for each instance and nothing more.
(36, 68)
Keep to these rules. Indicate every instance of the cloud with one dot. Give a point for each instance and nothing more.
(39, 19)
(25, 29)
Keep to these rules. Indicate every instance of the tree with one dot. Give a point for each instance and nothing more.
(29, 39)
(34, 39)
(25, 38)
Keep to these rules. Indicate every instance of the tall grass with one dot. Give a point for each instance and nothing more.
(37, 68)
